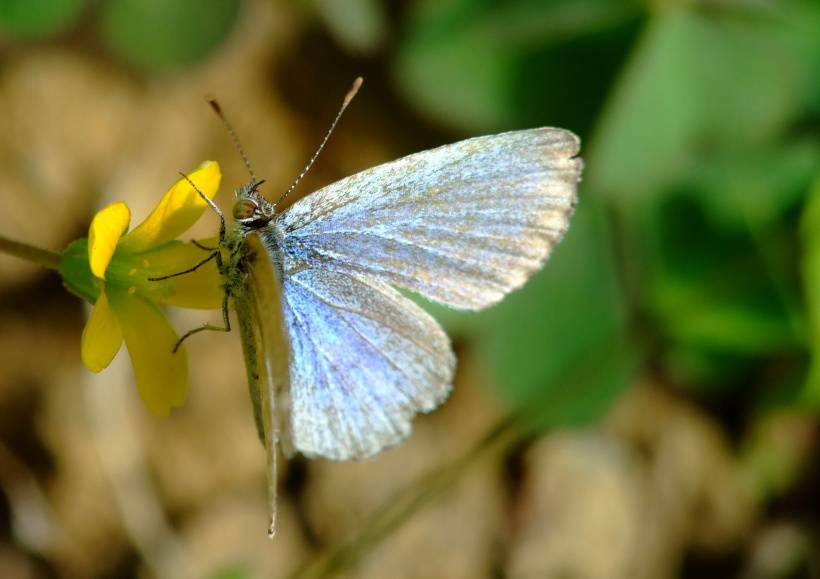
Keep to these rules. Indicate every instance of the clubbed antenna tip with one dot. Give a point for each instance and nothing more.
(214, 105)
(357, 84)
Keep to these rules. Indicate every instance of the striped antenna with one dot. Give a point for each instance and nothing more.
(348, 97)
(218, 110)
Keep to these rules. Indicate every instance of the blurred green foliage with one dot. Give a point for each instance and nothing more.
(158, 35)
(562, 347)
(359, 25)
(152, 35)
(700, 127)
(482, 65)
(237, 572)
(811, 284)
(34, 19)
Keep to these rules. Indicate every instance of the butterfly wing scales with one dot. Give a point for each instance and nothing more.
(365, 361)
(462, 225)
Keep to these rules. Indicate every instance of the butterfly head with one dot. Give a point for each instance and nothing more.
(251, 209)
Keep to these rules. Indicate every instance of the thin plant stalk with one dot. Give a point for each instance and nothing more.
(401, 507)
(43, 257)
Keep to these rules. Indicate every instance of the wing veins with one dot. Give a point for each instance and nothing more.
(477, 279)
(374, 347)
(363, 405)
(331, 261)
(326, 376)
(550, 233)
(433, 199)
(470, 261)
(365, 315)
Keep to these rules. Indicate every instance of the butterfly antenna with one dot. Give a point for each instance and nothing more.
(218, 110)
(348, 97)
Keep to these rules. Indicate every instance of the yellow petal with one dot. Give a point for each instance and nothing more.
(102, 336)
(106, 229)
(177, 211)
(200, 289)
(161, 376)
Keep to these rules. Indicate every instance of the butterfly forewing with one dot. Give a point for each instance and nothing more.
(463, 224)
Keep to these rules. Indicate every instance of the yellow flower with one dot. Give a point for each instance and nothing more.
(111, 269)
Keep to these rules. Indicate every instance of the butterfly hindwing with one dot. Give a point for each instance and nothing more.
(365, 361)
(462, 224)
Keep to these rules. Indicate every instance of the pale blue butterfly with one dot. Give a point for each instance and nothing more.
(338, 361)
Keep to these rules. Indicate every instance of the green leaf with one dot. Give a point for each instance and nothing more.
(35, 19)
(559, 347)
(652, 116)
(460, 80)
(159, 35)
(714, 289)
(730, 321)
(695, 83)
(358, 25)
(485, 66)
(754, 188)
(810, 237)
(536, 24)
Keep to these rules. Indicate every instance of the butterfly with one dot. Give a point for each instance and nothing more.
(338, 360)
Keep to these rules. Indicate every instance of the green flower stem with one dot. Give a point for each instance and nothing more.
(47, 259)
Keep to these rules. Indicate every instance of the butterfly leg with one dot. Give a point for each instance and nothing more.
(208, 327)
(222, 233)
(215, 255)
(202, 247)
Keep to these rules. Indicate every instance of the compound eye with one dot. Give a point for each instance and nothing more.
(244, 210)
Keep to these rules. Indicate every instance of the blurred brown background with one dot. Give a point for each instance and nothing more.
(664, 357)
